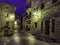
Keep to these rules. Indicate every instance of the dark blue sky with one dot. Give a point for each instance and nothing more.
(20, 4)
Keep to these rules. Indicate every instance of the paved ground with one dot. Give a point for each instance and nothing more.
(22, 39)
(54, 43)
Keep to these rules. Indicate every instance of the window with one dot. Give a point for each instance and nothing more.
(30, 4)
(42, 6)
(41, 25)
(53, 1)
(25, 15)
(29, 21)
(35, 24)
(27, 28)
(53, 25)
(28, 16)
(47, 27)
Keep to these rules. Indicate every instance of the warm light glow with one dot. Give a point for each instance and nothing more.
(32, 39)
(16, 38)
(15, 22)
(36, 15)
(11, 16)
(7, 19)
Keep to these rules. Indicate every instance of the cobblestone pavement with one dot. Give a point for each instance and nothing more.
(23, 38)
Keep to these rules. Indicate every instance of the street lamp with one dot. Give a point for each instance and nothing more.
(15, 24)
(36, 15)
(11, 17)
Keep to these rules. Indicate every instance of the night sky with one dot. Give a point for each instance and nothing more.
(20, 4)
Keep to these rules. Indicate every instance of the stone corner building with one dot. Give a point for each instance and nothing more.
(7, 17)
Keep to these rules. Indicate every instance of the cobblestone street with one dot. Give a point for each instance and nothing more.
(23, 38)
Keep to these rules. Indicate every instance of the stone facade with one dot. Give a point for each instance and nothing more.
(7, 14)
(48, 22)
